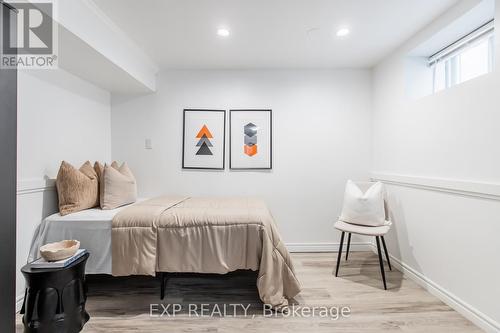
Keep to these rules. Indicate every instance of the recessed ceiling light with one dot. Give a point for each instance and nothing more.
(223, 32)
(342, 32)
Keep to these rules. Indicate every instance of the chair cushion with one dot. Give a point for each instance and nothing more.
(363, 208)
(363, 230)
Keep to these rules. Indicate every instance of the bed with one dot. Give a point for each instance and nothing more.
(174, 234)
(92, 227)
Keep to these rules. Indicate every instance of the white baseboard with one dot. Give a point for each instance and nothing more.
(468, 311)
(326, 247)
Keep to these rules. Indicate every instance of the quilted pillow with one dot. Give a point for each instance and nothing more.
(77, 189)
(363, 208)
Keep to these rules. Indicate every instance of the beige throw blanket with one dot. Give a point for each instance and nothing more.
(204, 235)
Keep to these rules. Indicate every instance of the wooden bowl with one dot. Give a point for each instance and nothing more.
(59, 250)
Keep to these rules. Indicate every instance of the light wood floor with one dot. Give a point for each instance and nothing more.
(122, 304)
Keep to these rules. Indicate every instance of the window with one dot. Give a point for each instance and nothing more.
(467, 58)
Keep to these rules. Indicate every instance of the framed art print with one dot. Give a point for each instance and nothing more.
(204, 139)
(251, 137)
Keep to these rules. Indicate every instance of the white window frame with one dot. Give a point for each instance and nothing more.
(447, 54)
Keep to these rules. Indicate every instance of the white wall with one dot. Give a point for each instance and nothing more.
(59, 117)
(449, 238)
(321, 135)
(94, 48)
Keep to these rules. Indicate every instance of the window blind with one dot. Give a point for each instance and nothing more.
(484, 31)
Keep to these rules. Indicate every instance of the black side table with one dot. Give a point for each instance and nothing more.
(54, 300)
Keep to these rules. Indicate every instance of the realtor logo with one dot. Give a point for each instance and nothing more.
(29, 37)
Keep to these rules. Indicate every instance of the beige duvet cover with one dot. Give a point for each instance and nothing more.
(204, 235)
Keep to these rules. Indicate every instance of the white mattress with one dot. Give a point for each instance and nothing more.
(92, 227)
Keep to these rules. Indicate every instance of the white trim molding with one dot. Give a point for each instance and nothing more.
(35, 185)
(468, 311)
(487, 190)
(465, 309)
(326, 247)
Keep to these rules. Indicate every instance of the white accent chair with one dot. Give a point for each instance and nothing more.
(364, 212)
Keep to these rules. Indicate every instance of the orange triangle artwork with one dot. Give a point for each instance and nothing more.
(204, 130)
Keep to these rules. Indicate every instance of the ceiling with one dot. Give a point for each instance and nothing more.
(270, 33)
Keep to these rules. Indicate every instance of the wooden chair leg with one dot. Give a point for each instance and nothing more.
(340, 253)
(386, 253)
(381, 261)
(348, 246)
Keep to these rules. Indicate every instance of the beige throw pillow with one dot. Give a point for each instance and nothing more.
(77, 189)
(99, 170)
(119, 186)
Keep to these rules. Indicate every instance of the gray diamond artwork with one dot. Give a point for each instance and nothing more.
(250, 129)
(250, 140)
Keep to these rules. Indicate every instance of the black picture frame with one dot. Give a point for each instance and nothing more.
(270, 144)
(184, 140)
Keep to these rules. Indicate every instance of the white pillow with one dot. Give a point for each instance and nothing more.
(120, 187)
(363, 208)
